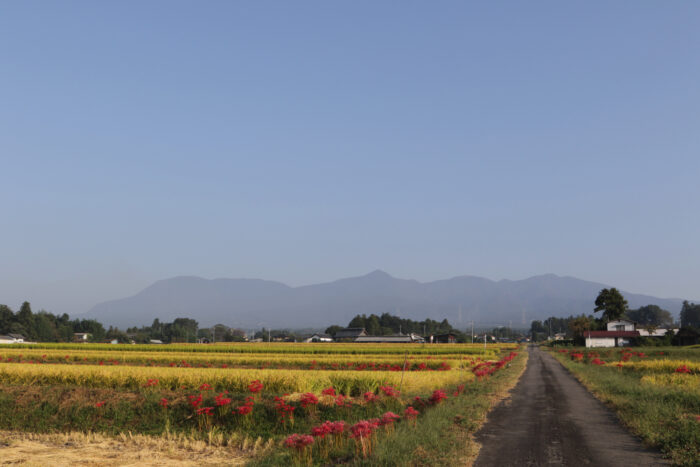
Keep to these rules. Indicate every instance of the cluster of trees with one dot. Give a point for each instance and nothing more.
(613, 307)
(183, 330)
(46, 327)
(690, 315)
(387, 325)
(43, 326)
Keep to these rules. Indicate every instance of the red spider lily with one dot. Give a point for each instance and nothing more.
(342, 401)
(328, 392)
(389, 418)
(220, 400)
(164, 402)
(308, 399)
(437, 397)
(244, 409)
(205, 387)
(370, 397)
(389, 391)
(151, 383)
(683, 369)
(195, 400)
(298, 442)
(100, 404)
(205, 411)
(362, 429)
(459, 390)
(285, 411)
(577, 357)
(410, 413)
(597, 361)
(322, 430)
(255, 387)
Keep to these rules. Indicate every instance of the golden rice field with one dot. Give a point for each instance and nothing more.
(283, 348)
(268, 392)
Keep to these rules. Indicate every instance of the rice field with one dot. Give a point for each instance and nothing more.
(313, 402)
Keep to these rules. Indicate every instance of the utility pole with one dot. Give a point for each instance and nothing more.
(472, 331)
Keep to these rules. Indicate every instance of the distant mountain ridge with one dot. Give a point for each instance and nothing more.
(255, 303)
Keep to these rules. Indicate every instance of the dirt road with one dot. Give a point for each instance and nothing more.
(551, 419)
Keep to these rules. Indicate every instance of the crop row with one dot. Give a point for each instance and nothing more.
(284, 348)
(261, 361)
(234, 380)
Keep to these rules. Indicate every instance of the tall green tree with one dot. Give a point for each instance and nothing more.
(611, 303)
(690, 315)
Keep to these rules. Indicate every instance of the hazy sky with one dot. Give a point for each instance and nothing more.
(307, 141)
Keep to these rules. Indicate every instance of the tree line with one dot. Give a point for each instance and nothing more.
(43, 326)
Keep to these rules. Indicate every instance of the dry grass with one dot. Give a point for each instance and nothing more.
(74, 449)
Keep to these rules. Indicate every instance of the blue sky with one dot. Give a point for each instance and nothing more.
(307, 141)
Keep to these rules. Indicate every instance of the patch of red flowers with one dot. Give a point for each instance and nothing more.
(308, 399)
(683, 369)
(437, 396)
(255, 387)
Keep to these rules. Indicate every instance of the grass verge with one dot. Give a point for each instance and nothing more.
(664, 417)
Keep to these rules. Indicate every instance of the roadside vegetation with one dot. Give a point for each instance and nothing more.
(655, 392)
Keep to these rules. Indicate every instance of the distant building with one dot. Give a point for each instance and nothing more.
(12, 339)
(319, 338)
(444, 339)
(155, 341)
(619, 333)
(609, 338)
(81, 336)
(349, 334)
(400, 339)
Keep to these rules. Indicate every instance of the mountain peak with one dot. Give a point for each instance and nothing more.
(378, 273)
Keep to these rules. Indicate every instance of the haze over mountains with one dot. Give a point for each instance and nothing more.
(255, 303)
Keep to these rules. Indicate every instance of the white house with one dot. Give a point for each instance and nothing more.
(622, 325)
(319, 338)
(12, 339)
(609, 338)
(81, 336)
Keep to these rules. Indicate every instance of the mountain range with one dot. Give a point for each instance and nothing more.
(255, 303)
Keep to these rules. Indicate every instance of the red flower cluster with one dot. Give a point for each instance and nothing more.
(308, 399)
(100, 404)
(363, 429)
(220, 400)
(205, 411)
(328, 392)
(298, 442)
(205, 387)
(150, 383)
(284, 410)
(195, 400)
(389, 391)
(683, 369)
(164, 402)
(255, 387)
(597, 361)
(437, 397)
(389, 418)
(410, 413)
(370, 396)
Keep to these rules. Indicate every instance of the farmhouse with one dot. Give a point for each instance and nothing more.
(609, 338)
(12, 339)
(400, 339)
(620, 332)
(81, 336)
(444, 339)
(349, 334)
